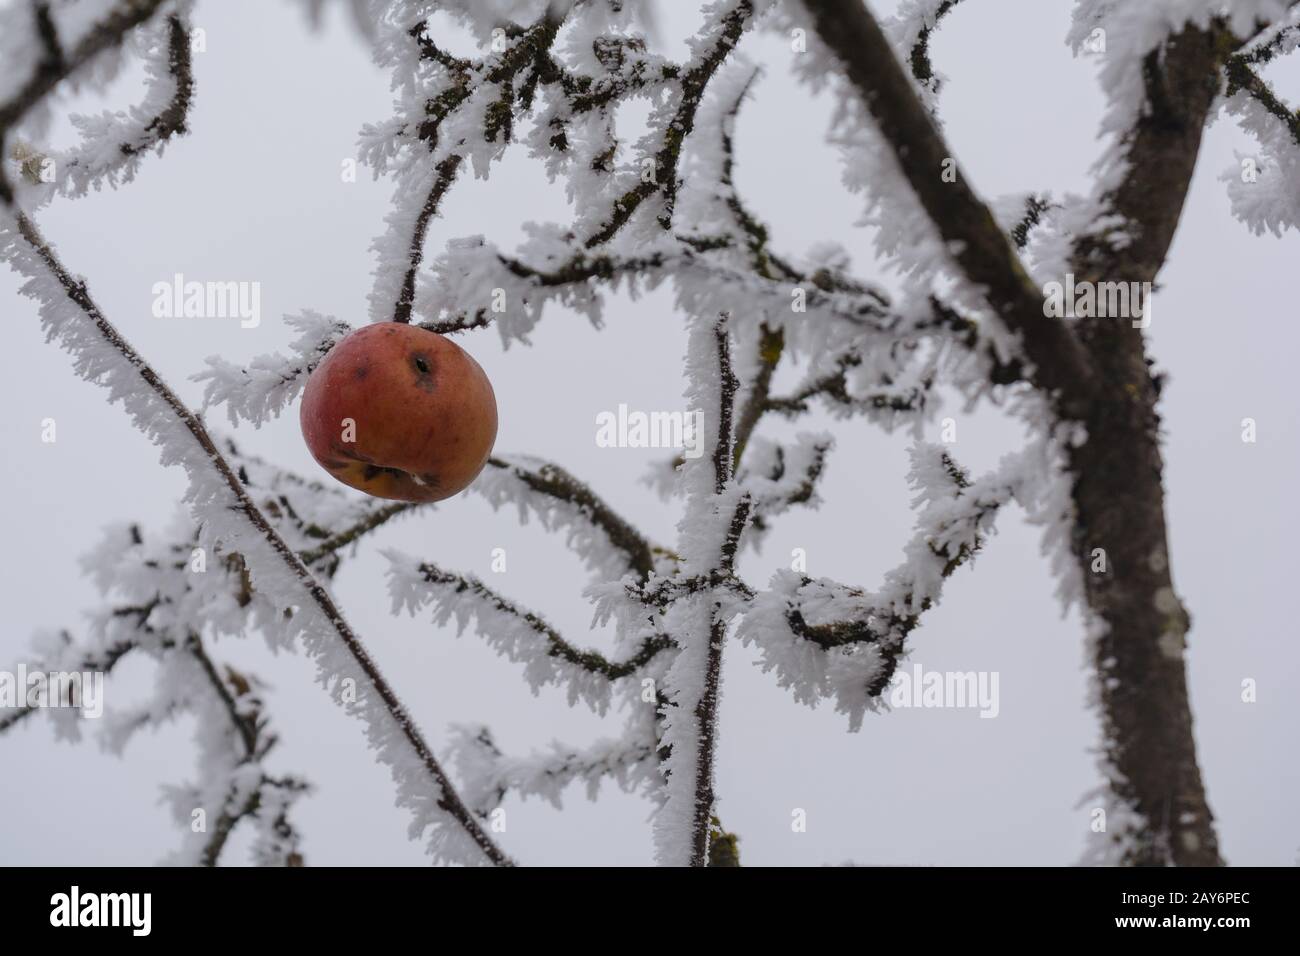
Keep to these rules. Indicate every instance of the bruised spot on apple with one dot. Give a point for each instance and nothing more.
(400, 412)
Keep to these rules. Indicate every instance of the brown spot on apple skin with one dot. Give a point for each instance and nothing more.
(360, 372)
(372, 472)
(423, 365)
(349, 452)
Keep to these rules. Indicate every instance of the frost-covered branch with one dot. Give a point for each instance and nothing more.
(630, 760)
(968, 318)
(445, 175)
(919, 19)
(113, 144)
(972, 235)
(779, 476)
(1163, 75)
(377, 517)
(316, 520)
(559, 499)
(1263, 188)
(100, 660)
(672, 129)
(58, 62)
(574, 276)
(1242, 77)
(231, 731)
(752, 232)
(823, 639)
(263, 389)
(832, 388)
(717, 511)
(266, 800)
(522, 636)
(250, 793)
(473, 99)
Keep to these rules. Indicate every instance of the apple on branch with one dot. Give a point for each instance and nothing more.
(400, 412)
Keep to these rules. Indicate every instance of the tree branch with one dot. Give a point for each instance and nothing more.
(589, 661)
(173, 119)
(1118, 491)
(57, 64)
(443, 179)
(341, 539)
(1242, 77)
(101, 660)
(528, 49)
(919, 59)
(693, 83)
(557, 484)
(980, 248)
(950, 532)
(706, 709)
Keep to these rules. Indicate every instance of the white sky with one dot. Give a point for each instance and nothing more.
(254, 194)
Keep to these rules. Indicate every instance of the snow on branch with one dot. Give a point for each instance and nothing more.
(270, 382)
(519, 635)
(835, 313)
(1265, 189)
(914, 153)
(316, 520)
(908, 392)
(609, 544)
(59, 653)
(826, 640)
(719, 255)
(712, 215)
(716, 513)
(968, 315)
(232, 733)
(162, 587)
(58, 61)
(1140, 79)
(327, 551)
(910, 31)
(777, 477)
(113, 144)
(451, 110)
(661, 148)
(1163, 76)
(233, 785)
(488, 775)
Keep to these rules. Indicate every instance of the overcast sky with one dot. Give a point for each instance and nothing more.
(254, 194)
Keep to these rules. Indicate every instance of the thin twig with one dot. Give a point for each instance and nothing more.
(593, 662)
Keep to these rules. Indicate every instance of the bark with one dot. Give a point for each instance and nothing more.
(1118, 484)
(1094, 372)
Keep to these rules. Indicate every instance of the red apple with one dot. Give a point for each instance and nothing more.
(400, 412)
